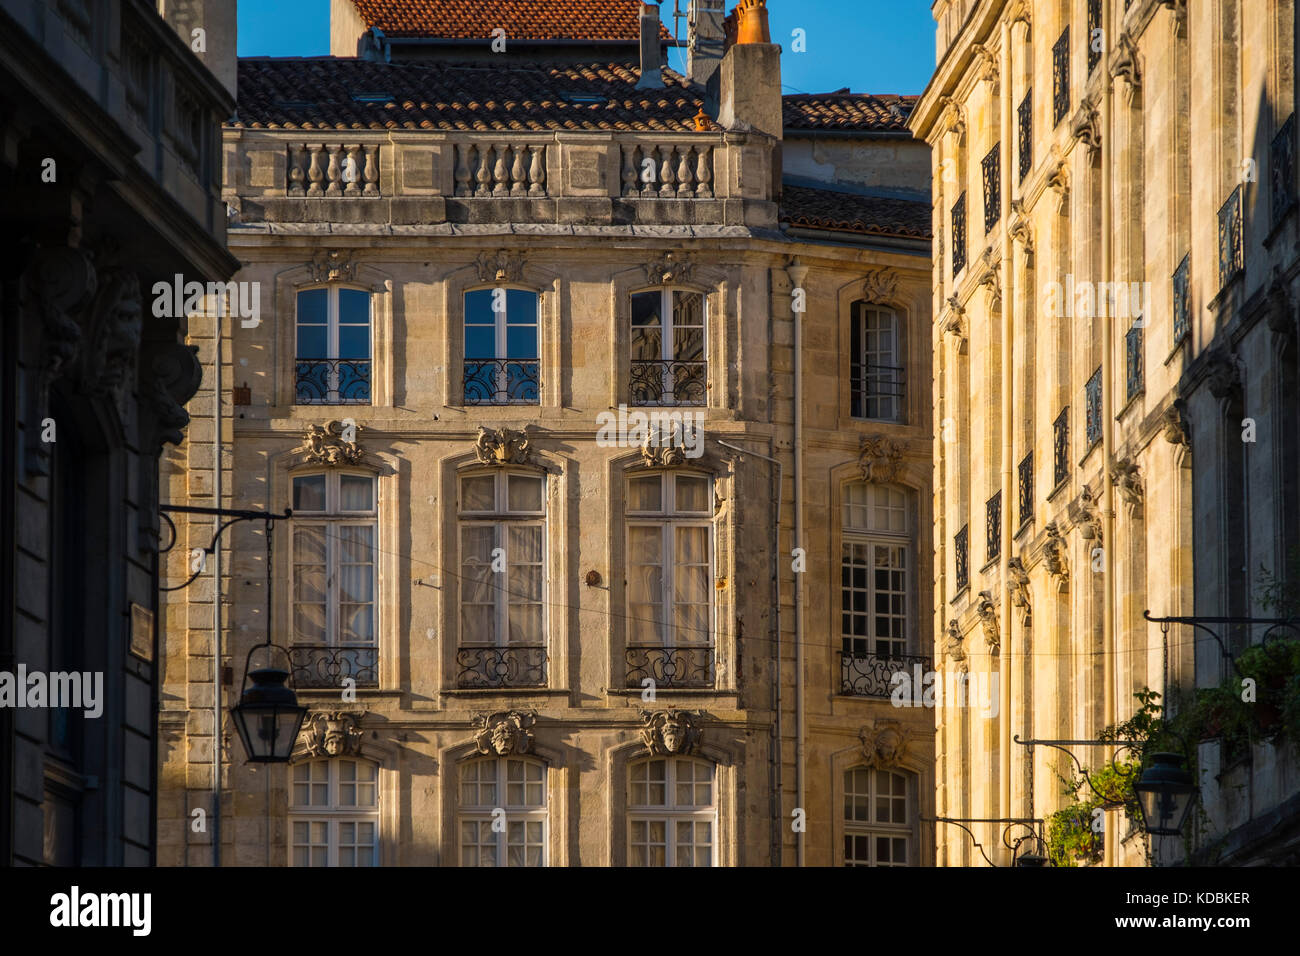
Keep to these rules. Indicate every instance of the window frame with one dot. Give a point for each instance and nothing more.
(332, 325)
(480, 813)
(872, 538)
(667, 345)
(670, 813)
(859, 397)
(332, 813)
(874, 829)
(501, 325)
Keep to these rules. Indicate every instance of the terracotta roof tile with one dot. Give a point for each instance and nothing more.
(521, 19)
(318, 93)
(850, 112)
(851, 212)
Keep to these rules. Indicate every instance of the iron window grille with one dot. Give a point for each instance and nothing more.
(959, 235)
(990, 167)
(1282, 169)
(1182, 296)
(1026, 488)
(1025, 117)
(961, 558)
(1061, 447)
(876, 371)
(993, 527)
(1136, 376)
(501, 347)
(669, 363)
(1093, 394)
(332, 362)
(1094, 38)
(872, 675)
(1230, 238)
(1061, 77)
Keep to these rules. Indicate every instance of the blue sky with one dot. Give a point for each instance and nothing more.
(870, 46)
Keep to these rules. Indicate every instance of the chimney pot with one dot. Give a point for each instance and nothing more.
(651, 65)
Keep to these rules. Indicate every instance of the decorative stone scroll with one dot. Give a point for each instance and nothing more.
(504, 732)
(334, 443)
(503, 446)
(885, 742)
(672, 731)
(669, 268)
(333, 733)
(333, 265)
(954, 647)
(501, 266)
(880, 459)
(1056, 553)
(880, 285)
(988, 613)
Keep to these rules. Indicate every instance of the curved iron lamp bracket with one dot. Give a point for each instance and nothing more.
(1202, 623)
(1032, 824)
(1122, 746)
(235, 516)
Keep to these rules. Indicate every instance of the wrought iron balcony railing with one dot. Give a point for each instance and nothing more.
(877, 391)
(1136, 375)
(670, 666)
(1092, 392)
(1282, 169)
(515, 666)
(1061, 77)
(1182, 299)
(961, 556)
(664, 382)
(326, 665)
(869, 675)
(991, 169)
(332, 381)
(1061, 447)
(1231, 237)
(993, 527)
(1026, 488)
(959, 235)
(1025, 116)
(505, 381)
(1094, 37)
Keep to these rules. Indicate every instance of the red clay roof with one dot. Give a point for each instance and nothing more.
(851, 212)
(317, 93)
(521, 19)
(850, 112)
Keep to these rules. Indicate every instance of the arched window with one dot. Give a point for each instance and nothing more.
(332, 362)
(879, 817)
(334, 813)
(502, 357)
(502, 818)
(669, 579)
(672, 813)
(876, 584)
(668, 351)
(503, 569)
(876, 372)
(334, 528)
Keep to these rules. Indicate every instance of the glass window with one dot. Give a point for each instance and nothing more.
(876, 364)
(668, 351)
(875, 571)
(878, 817)
(671, 814)
(503, 820)
(332, 354)
(334, 813)
(502, 357)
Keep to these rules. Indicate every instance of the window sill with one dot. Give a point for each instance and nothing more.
(471, 692)
(962, 592)
(661, 690)
(1060, 486)
(1132, 400)
(990, 563)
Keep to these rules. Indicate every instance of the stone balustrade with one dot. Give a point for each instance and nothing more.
(500, 169)
(318, 170)
(670, 171)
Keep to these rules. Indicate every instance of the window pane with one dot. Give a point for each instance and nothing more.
(647, 326)
(692, 493)
(477, 493)
(478, 589)
(521, 307)
(309, 493)
(645, 584)
(688, 326)
(521, 342)
(356, 493)
(645, 494)
(354, 307)
(313, 329)
(525, 493)
(481, 342)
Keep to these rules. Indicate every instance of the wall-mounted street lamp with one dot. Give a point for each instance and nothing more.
(1164, 793)
(268, 715)
(1036, 855)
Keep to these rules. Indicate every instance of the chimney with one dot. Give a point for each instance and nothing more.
(704, 46)
(750, 75)
(651, 66)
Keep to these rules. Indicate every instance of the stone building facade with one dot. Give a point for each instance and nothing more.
(1101, 455)
(111, 178)
(529, 633)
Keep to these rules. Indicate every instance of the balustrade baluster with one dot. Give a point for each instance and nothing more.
(372, 171)
(704, 172)
(537, 171)
(499, 181)
(314, 173)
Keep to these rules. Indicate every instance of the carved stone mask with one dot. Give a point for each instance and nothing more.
(503, 738)
(673, 733)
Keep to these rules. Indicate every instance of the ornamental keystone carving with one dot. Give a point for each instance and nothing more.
(1222, 375)
(503, 446)
(880, 458)
(1124, 65)
(333, 733)
(671, 731)
(988, 63)
(989, 278)
(880, 285)
(1022, 12)
(954, 648)
(1059, 180)
(334, 443)
(1020, 230)
(885, 742)
(667, 450)
(1124, 476)
(1087, 516)
(1056, 553)
(333, 265)
(1018, 585)
(669, 268)
(956, 324)
(500, 266)
(1175, 426)
(954, 118)
(988, 613)
(504, 732)
(1085, 125)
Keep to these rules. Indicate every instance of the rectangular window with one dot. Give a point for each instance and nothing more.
(1061, 448)
(876, 373)
(878, 818)
(669, 362)
(502, 364)
(1182, 299)
(1282, 170)
(1026, 485)
(961, 558)
(959, 235)
(332, 352)
(1093, 396)
(1231, 239)
(993, 527)
(1094, 34)
(509, 791)
(333, 541)
(992, 174)
(671, 816)
(874, 576)
(334, 813)
(670, 580)
(502, 605)
(1135, 377)
(1025, 122)
(1061, 77)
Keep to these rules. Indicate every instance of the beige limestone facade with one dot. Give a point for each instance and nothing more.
(1097, 455)
(525, 636)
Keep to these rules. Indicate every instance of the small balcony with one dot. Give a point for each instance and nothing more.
(670, 667)
(502, 381)
(487, 668)
(869, 675)
(327, 665)
(332, 381)
(663, 382)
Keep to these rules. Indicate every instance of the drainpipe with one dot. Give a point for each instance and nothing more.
(1107, 413)
(778, 817)
(1008, 406)
(798, 273)
(216, 593)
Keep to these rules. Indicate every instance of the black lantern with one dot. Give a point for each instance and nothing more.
(268, 715)
(1164, 794)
